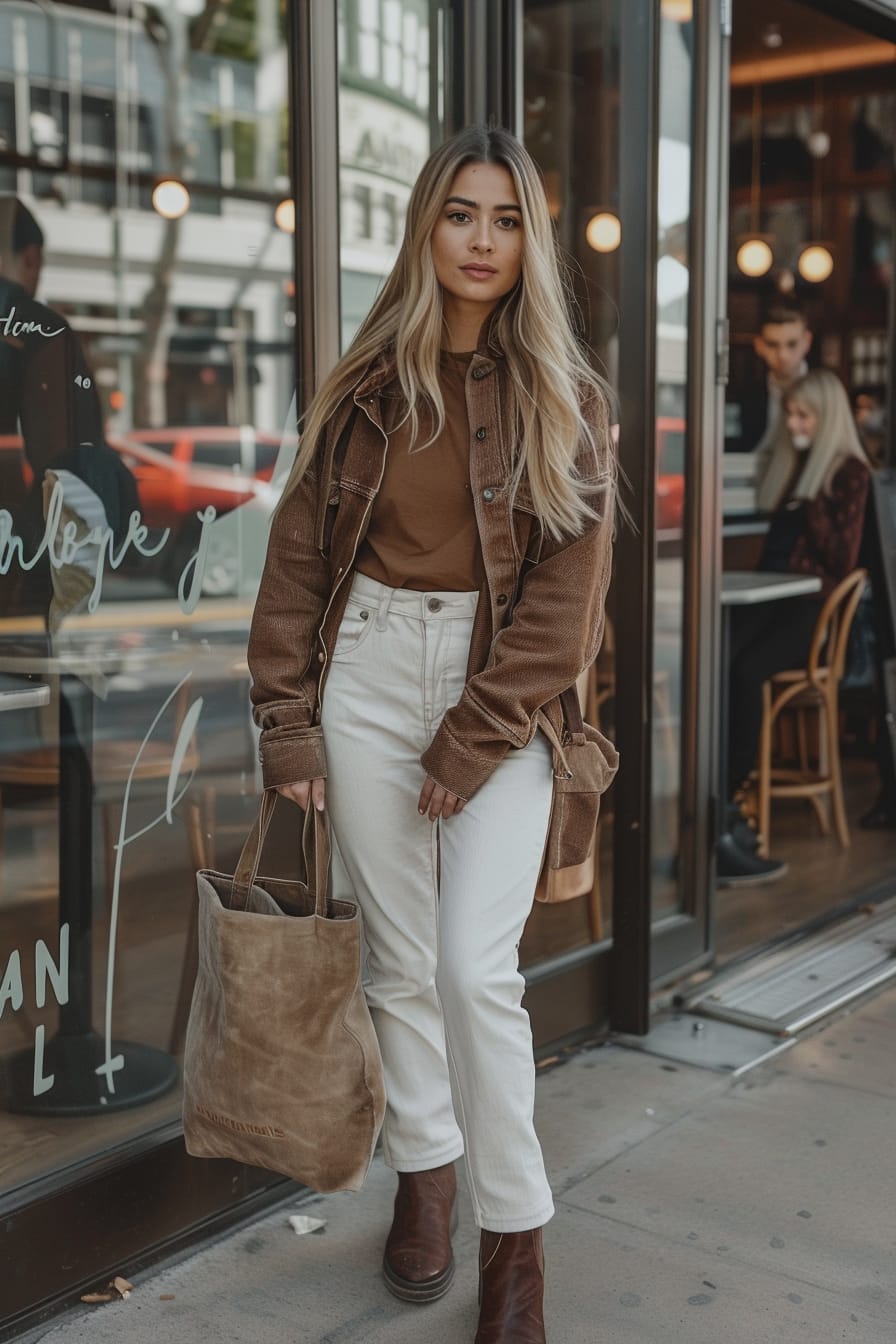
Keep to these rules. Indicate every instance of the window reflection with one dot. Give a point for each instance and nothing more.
(571, 128)
(146, 371)
(389, 100)
(673, 287)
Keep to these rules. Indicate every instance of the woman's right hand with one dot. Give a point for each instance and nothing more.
(298, 793)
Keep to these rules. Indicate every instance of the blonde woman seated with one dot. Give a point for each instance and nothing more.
(813, 480)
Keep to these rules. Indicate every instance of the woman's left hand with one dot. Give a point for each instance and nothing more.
(438, 802)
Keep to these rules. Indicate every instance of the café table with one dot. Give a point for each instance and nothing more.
(23, 696)
(743, 588)
(86, 667)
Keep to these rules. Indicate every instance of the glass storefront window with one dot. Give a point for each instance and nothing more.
(672, 340)
(146, 371)
(391, 97)
(571, 128)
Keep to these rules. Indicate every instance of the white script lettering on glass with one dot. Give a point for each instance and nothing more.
(113, 1063)
(12, 992)
(10, 327)
(61, 544)
(189, 588)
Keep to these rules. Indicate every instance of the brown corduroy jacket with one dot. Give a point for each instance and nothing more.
(539, 621)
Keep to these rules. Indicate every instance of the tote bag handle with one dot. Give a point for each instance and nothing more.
(315, 848)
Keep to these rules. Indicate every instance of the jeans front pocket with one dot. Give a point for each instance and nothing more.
(354, 628)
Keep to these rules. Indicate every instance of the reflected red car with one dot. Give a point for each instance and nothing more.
(179, 472)
(670, 449)
(182, 471)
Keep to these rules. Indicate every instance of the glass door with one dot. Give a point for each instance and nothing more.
(692, 58)
(673, 145)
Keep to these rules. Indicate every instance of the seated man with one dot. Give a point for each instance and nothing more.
(783, 343)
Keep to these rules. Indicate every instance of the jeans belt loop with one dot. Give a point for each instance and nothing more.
(382, 613)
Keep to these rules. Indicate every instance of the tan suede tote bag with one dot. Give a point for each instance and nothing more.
(281, 1066)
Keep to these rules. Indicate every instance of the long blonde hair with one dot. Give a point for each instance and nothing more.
(549, 374)
(836, 439)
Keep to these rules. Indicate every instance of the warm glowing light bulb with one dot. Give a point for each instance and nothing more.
(604, 232)
(679, 11)
(285, 216)
(170, 198)
(754, 257)
(815, 263)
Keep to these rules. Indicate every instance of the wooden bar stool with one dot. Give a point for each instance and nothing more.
(813, 689)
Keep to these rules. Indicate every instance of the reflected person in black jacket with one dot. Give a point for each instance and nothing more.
(47, 396)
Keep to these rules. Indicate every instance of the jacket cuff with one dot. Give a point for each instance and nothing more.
(290, 755)
(293, 713)
(460, 769)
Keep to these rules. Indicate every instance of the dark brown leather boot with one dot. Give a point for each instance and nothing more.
(418, 1264)
(511, 1288)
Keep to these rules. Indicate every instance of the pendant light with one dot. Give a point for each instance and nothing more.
(754, 254)
(285, 215)
(170, 198)
(816, 261)
(679, 11)
(603, 231)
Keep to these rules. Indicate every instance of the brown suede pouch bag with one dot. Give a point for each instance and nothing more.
(282, 1068)
(585, 764)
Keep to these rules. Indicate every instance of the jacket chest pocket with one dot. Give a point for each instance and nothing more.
(348, 519)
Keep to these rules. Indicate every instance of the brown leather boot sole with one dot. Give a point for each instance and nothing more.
(425, 1290)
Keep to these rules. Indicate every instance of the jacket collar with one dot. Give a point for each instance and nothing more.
(382, 368)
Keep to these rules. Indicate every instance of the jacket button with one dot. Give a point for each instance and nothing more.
(334, 498)
(480, 371)
(488, 495)
(320, 657)
(501, 599)
(481, 433)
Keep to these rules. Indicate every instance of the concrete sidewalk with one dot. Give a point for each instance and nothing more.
(690, 1210)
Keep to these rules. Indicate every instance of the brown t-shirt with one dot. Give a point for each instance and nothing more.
(423, 532)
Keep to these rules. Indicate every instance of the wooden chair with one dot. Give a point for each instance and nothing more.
(814, 690)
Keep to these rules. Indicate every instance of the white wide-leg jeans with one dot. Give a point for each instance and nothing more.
(443, 905)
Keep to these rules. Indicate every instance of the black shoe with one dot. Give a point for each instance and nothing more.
(739, 828)
(882, 816)
(736, 868)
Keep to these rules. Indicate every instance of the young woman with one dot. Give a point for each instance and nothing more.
(436, 576)
(813, 480)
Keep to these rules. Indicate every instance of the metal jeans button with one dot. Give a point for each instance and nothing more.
(434, 604)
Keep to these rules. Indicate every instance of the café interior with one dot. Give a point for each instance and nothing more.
(811, 222)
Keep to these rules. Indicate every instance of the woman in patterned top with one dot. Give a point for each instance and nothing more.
(813, 480)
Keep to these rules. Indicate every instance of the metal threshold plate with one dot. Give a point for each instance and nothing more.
(798, 986)
(720, 1046)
